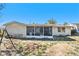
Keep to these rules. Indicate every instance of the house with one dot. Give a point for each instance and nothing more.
(76, 26)
(20, 30)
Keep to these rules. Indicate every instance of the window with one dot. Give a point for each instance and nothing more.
(61, 29)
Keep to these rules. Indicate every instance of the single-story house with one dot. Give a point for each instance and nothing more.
(76, 26)
(37, 30)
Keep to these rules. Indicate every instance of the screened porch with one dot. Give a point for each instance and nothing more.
(39, 31)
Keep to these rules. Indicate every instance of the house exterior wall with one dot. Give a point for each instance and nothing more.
(67, 31)
(16, 30)
(21, 31)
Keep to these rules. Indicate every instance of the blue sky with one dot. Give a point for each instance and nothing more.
(40, 12)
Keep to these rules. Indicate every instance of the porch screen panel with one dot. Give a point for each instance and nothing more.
(30, 30)
(50, 31)
(38, 31)
(47, 31)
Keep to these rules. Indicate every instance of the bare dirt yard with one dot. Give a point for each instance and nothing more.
(41, 47)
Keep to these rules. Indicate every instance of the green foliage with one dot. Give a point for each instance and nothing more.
(52, 21)
(65, 23)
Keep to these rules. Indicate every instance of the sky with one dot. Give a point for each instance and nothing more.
(40, 13)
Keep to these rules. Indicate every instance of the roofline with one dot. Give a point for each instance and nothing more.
(14, 22)
(54, 25)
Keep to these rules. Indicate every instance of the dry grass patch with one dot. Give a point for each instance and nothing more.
(59, 49)
(40, 48)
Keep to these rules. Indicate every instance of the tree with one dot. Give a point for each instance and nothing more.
(65, 23)
(33, 23)
(52, 21)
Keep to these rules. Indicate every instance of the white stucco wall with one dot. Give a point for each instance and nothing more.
(67, 31)
(15, 29)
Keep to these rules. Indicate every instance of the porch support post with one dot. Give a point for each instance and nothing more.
(43, 30)
(26, 30)
(52, 30)
(34, 30)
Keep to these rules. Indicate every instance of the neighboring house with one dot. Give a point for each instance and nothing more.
(77, 26)
(37, 30)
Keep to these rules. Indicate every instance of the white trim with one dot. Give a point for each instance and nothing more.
(39, 36)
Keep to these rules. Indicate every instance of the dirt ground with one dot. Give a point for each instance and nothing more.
(40, 47)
